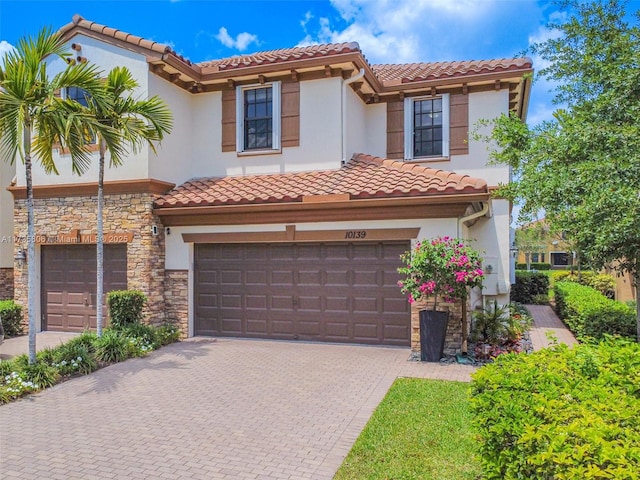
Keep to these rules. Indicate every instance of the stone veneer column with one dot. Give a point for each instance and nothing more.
(123, 213)
(453, 341)
(176, 297)
(6, 283)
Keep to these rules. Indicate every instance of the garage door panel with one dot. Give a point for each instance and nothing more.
(337, 304)
(256, 277)
(282, 277)
(231, 301)
(282, 302)
(68, 283)
(322, 291)
(309, 304)
(257, 326)
(256, 301)
(282, 327)
(365, 304)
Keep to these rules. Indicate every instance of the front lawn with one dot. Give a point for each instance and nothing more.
(421, 430)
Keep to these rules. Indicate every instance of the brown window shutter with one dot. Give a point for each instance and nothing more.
(395, 130)
(459, 121)
(229, 120)
(290, 112)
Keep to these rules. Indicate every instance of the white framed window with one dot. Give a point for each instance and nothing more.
(258, 117)
(426, 127)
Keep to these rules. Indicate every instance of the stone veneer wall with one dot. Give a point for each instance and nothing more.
(6, 283)
(176, 288)
(123, 213)
(453, 341)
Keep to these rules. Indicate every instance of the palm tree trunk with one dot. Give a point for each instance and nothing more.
(31, 246)
(100, 241)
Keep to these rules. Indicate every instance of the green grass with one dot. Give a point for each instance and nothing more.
(421, 430)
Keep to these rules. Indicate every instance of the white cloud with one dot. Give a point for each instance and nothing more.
(396, 31)
(241, 42)
(5, 47)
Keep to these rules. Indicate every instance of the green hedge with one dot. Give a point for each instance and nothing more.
(588, 313)
(11, 315)
(533, 266)
(528, 286)
(125, 306)
(560, 413)
(604, 283)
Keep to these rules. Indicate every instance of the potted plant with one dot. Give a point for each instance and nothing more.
(440, 268)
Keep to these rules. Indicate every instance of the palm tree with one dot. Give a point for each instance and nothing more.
(33, 119)
(122, 121)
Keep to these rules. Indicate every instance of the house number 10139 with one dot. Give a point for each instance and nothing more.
(353, 234)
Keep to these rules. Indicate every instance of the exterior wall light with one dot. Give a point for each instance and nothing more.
(21, 257)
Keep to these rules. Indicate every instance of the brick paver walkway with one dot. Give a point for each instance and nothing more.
(546, 321)
(208, 409)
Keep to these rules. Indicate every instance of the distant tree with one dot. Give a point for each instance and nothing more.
(33, 119)
(530, 239)
(583, 167)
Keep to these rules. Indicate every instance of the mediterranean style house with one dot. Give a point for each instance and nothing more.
(280, 203)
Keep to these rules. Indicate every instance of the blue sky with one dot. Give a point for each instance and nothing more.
(388, 31)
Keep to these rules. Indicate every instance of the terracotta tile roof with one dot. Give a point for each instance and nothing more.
(282, 55)
(363, 177)
(80, 22)
(413, 72)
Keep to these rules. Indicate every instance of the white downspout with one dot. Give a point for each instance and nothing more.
(343, 107)
(482, 212)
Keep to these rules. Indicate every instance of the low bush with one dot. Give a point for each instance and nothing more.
(603, 282)
(560, 413)
(125, 306)
(588, 313)
(534, 266)
(112, 347)
(528, 286)
(167, 333)
(142, 338)
(40, 375)
(11, 316)
(75, 358)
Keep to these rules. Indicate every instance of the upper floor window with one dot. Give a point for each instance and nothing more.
(82, 97)
(258, 116)
(426, 132)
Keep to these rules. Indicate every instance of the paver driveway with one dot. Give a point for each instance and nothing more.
(203, 409)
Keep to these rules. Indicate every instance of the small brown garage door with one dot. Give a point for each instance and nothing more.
(330, 292)
(69, 283)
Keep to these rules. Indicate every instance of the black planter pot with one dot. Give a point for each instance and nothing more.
(433, 331)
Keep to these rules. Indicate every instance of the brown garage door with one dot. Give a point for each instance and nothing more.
(330, 292)
(69, 283)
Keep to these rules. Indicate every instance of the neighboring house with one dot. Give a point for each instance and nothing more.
(7, 174)
(279, 205)
(535, 241)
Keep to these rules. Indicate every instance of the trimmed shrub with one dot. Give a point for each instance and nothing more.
(11, 315)
(529, 285)
(560, 413)
(534, 266)
(588, 313)
(603, 282)
(125, 306)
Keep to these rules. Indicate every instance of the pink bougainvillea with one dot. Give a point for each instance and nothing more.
(442, 267)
